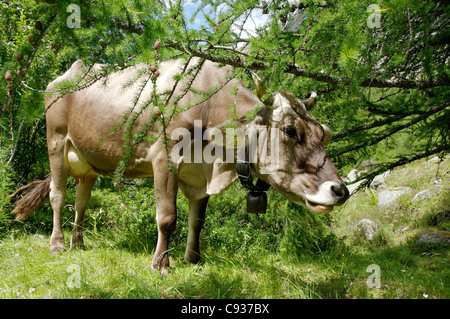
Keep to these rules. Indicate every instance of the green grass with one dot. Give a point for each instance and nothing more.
(29, 270)
(286, 253)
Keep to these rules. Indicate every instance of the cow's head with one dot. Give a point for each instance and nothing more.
(304, 173)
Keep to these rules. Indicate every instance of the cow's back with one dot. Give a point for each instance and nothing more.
(89, 118)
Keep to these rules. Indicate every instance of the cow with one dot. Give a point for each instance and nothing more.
(85, 140)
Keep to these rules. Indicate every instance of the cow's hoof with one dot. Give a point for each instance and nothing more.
(76, 242)
(57, 243)
(57, 247)
(164, 271)
(192, 258)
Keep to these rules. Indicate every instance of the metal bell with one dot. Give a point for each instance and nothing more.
(256, 202)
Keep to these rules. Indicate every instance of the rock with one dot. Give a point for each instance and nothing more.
(390, 196)
(421, 195)
(401, 230)
(437, 186)
(434, 237)
(367, 228)
(352, 176)
(353, 187)
(433, 160)
(379, 183)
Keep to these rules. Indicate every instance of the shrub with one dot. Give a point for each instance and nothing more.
(306, 233)
(126, 216)
(384, 236)
(5, 189)
(229, 227)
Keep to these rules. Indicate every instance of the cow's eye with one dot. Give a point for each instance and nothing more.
(290, 132)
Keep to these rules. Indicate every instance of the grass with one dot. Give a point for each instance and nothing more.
(33, 272)
(286, 253)
(413, 270)
(29, 270)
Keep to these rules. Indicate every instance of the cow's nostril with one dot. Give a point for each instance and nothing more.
(339, 190)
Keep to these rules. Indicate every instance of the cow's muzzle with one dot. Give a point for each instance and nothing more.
(329, 194)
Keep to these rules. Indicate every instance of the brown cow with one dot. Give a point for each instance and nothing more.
(82, 143)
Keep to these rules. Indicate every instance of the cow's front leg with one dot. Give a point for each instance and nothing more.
(197, 210)
(166, 188)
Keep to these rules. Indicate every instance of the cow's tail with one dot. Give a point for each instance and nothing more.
(34, 196)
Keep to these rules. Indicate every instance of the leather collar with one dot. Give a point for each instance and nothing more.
(256, 198)
(245, 177)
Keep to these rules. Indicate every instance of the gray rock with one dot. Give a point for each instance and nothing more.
(421, 195)
(368, 228)
(353, 187)
(434, 237)
(352, 176)
(379, 183)
(389, 196)
(433, 160)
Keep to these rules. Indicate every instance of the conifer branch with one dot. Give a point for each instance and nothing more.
(303, 72)
(396, 129)
(400, 161)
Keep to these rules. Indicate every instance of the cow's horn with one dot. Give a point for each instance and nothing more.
(328, 134)
(261, 90)
(260, 87)
(311, 101)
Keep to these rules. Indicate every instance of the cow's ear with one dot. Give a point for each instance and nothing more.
(328, 134)
(311, 101)
(220, 175)
(221, 152)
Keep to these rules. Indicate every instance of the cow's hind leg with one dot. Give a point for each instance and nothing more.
(57, 194)
(197, 210)
(84, 189)
(57, 200)
(166, 189)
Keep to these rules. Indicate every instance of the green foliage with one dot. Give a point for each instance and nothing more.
(128, 217)
(230, 228)
(306, 233)
(383, 91)
(382, 88)
(285, 253)
(6, 186)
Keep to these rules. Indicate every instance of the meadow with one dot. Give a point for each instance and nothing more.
(381, 73)
(287, 253)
